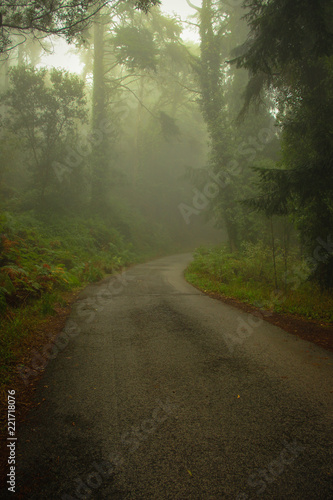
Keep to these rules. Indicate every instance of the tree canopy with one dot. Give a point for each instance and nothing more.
(289, 54)
(67, 18)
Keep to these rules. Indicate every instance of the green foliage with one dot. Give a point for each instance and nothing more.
(234, 147)
(135, 48)
(47, 304)
(249, 276)
(63, 18)
(290, 53)
(44, 109)
(146, 4)
(3, 301)
(39, 259)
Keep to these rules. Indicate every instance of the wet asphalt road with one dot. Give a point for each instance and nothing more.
(157, 391)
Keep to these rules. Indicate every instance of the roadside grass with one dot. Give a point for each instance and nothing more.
(248, 276)
(17, 326)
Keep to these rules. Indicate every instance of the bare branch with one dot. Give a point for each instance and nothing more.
(190, 4)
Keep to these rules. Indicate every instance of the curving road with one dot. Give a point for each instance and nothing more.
(156, 391)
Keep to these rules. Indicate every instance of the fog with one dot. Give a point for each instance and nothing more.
(156, 156)
(153, 125)
(138, 81)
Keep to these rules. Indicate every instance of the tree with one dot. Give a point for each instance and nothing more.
(211, 75)
(128, 48)
(217, 100)
(113, 46)
(67, 18)
(44, 109)
(150, 51)
(146, 82)
(99, 158)
(290, 54)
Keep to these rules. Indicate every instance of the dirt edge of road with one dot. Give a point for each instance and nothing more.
(312, 331)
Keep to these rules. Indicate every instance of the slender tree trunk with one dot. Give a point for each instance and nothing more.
(274, 254)
(100, 161)
(286, 241)
(20, 55)
(230, 225)
(213, 107)
(138, 130)
(5, 72)
(98, 72)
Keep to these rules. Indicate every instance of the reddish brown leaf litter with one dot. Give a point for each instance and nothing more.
(312, 331)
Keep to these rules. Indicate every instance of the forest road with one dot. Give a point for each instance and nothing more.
(157, 391)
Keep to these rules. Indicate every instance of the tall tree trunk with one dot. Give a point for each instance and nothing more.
(213, 107)
(20, 54)
(138, 130)
(274, 254)
(5, 75)
(286, 243)
(100, 160)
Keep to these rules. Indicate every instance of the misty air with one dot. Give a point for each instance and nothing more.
(166, 249)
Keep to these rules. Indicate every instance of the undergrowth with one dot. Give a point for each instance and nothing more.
(41, 260)
(249, 277)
